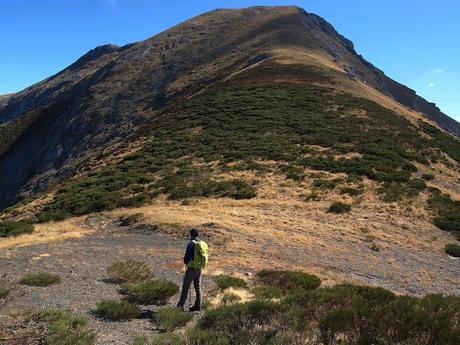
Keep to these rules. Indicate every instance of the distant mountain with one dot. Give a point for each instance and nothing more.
(114, 96)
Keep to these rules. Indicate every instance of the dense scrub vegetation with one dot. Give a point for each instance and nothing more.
(8, 228)
(235, 126)
(343, 314)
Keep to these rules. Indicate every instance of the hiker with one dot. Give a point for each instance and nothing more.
(195, 258)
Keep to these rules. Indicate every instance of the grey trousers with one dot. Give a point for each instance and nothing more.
(194, 275)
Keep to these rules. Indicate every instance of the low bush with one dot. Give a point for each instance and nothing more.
(9, 229)
(242, 323)
(351, 191)
(40, 279)
(395, 191)
(428, 177)
(117, 310)
(326, 184)
(266, 291)
(288, 281)
(453, 250)
(63, 327)
(230, 298)
(129, 271)
(313, 196)
(150, 291)
(339, 207)
(448, 221)
(172, 318)
(167, 339)
(130, 219)
(225, 282)
(4, 292)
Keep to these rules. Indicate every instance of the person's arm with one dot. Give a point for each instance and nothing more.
(189, 253)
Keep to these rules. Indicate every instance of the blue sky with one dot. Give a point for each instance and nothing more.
(415, 42)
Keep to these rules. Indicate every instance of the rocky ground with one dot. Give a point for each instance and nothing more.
(81, 263)
(374, 246)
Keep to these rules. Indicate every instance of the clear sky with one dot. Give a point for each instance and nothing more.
(416, 42)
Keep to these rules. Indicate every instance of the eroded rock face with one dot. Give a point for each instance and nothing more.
(49, 130)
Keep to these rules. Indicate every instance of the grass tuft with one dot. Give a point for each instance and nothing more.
(150, 291)
(129, 271)
(117, 310)
(172, 318)
(40, 279)
(225, 282)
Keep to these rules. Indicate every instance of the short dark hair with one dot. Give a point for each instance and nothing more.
(194, 232)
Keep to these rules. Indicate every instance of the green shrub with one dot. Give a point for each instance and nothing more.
(117, 310)
(428, 177)
(150, 291)
(129, 271)
(225, 282)
(288, 281)
(63, 327)
(130, 219)
(339, 207)
(172, 318)
(40, 279)
(453, 250)
(351, 191)
(230, 298)
(313, 196)
(448, 221)
(395, 191)
(9, 229)
(167, 339)
(4, 292)
(326, 184)
(229, 321)
(266, 291)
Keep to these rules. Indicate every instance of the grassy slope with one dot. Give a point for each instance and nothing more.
(294, 127)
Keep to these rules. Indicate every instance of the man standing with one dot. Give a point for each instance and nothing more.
(195, 258)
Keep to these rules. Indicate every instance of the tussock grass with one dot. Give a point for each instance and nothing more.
(40, 279)
(172, 318)
(117, 310)
(150, 291)
(129, 271)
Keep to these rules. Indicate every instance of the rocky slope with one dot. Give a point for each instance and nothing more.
(51, 130)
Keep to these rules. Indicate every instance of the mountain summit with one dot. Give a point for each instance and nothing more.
(112, 95)
(262, 128)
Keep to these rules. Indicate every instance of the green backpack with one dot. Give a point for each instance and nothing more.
(200, 257)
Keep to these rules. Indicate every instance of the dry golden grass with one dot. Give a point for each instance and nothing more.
(49, 232)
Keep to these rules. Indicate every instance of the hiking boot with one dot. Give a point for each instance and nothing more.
(195, 308)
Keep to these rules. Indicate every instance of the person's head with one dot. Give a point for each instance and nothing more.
(193, 232)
